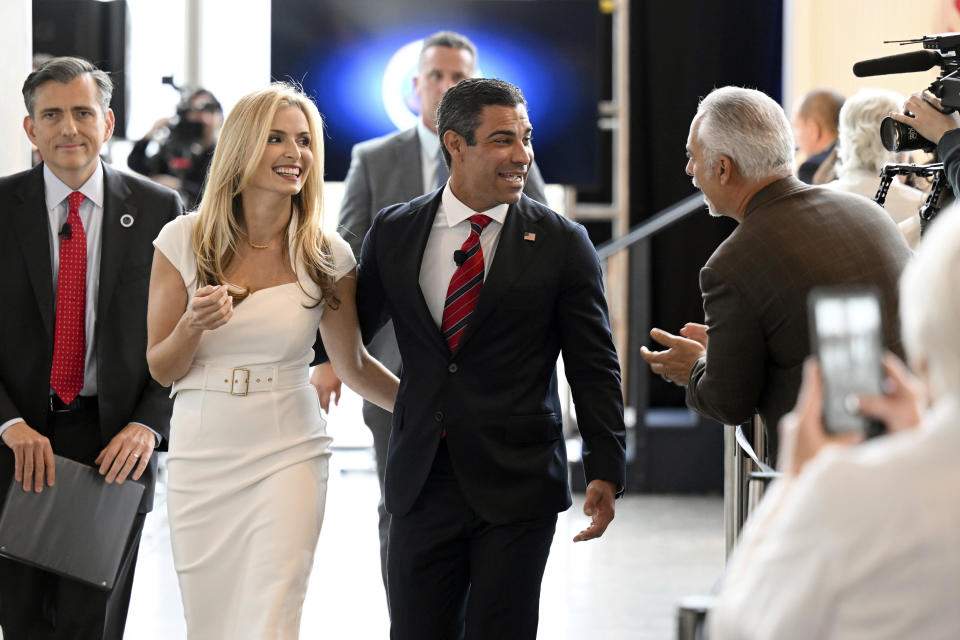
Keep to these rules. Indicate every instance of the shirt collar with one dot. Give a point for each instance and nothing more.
(56, 190)
(429, 141)
(457, 212)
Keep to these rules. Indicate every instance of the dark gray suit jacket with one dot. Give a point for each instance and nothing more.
(496, 395)
(125, 391)
(793, 237)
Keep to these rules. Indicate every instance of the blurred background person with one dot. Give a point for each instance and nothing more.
(862, 155)
(861, 541)
(815, 132)
(177, 151)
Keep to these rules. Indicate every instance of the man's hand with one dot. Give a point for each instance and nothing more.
(325, 380)
(599, 506)
(902, 405)
(32, 456)
(696, 332)
(129, 450)
(927, 120)
(674, 363)
(802, 435)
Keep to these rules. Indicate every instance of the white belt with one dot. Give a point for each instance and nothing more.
(239, 381)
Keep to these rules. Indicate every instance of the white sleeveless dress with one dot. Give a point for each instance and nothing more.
(247, 474)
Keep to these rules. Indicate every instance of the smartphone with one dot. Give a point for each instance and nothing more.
(846, 334)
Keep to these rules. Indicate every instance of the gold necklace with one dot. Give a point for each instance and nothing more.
(258, 246)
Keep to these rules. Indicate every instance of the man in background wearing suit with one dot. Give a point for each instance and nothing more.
(397, 168)
(815, 127)
(486, 288)
(74, 270)
(790, 238)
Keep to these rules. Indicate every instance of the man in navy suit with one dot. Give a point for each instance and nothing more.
(75, 258)
(486, 288)
(397, 168)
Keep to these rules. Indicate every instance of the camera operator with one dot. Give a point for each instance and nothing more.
(943, 129)
(186, 146)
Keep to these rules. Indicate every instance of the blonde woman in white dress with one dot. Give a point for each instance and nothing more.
(237, 293)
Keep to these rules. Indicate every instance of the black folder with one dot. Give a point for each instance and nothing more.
(77, 528)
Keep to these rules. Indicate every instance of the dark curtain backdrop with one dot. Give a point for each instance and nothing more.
(679, 51)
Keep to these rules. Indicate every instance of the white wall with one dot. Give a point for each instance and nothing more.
(16, 44)
(232, 48)
(824, 38)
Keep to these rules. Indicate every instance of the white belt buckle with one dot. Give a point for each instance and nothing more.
(240, 376)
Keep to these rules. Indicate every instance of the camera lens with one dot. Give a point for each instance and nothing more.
(897, 136)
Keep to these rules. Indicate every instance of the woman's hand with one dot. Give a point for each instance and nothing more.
(210, 307)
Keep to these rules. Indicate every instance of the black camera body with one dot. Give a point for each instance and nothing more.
(941, 49)
(185, 131)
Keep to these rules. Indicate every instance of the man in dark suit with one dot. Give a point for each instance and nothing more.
(476, 469)
(790, 238)
(75, 264)
(397, 168)
(815, 126)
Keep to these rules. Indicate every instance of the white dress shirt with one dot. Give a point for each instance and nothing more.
(429, 148)
(91, 215)
(450, 229)
(863, 544)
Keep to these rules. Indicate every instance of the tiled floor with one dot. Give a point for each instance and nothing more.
(624, 586)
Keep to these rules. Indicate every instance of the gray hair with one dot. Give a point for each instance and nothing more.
(930, 303)
(450, 39)
(750, 128)
(63, 70)
(859, 145)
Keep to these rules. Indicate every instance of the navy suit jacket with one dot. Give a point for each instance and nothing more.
(496, 395)
(125, 391)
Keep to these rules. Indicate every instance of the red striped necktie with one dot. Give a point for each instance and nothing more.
(70, 333)
(465, 285)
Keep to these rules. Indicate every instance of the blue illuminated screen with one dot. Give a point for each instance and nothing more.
(357, 59)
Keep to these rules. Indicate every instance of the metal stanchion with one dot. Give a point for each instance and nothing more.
(756, 489)
(691, 614)
(731, 477)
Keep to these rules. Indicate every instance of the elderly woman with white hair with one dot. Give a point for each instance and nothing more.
(861, 541)
(862, 156)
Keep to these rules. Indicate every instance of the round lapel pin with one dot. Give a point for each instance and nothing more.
(126, 221)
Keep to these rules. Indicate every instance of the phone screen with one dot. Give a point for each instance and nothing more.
(848, 342)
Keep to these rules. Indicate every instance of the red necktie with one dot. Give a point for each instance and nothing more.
(465, 285)
(70, 336)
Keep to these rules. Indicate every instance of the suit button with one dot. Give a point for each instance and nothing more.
(438, 416)
(452, 368)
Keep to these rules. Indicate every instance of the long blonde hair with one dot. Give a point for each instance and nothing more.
(239, 149)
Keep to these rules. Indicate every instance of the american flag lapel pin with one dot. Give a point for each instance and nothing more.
(529, 236)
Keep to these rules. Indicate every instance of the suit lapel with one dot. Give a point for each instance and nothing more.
(514, 253)
(409, 242)
(33, 228)
(119, 223)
